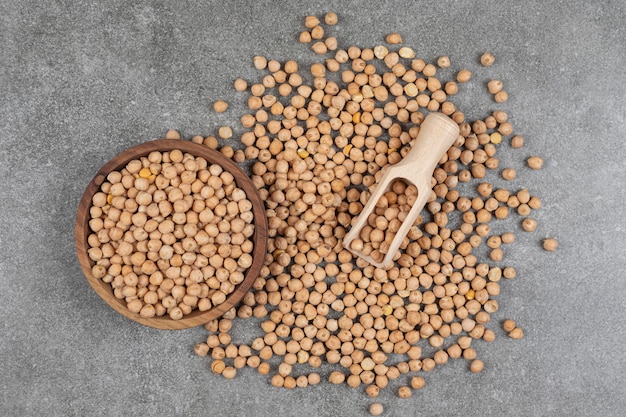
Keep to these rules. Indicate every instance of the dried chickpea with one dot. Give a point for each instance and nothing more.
(496, 254)
(225, 132)
(336, 377)
(277, 381)
(477, 366)
(263, 368)
(260, 62)
(331, 44)
(319, 48)
(443, 61)
(509, 174)
(393, 38)
(529, 224)
(517, 141)
(218, 367)
(534, 203)
(331, 18)
(508, 325)
(404, 392)
(220, 106)
(550, 244)
(516, 333)
(501, 96)
(487, 59)
(451, 88)
(535, 162)
(172, 134)
(494, 86)
(240, 85)
(417, 382)
(376, 409)
(464, 76)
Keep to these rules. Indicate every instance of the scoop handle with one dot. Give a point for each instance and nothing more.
(437, 133)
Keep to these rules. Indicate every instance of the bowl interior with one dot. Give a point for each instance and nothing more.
(259, 238)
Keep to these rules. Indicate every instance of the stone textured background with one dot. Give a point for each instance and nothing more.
(79, 83)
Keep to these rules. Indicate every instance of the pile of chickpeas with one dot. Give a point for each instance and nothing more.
(383, 224)
(314, 149)
(171, 234)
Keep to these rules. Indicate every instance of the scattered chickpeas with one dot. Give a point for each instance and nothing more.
(311, 22)
(550, 244)
(229, 372)
(317, 33)
(406, 52)
(305, 37)
(489, 335)
(315, 150)
(509, 272)
(507, 238)
(495, 138)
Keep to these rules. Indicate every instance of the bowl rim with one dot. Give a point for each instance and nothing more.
(243, 181)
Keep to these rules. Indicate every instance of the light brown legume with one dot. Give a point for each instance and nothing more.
(394, 38)
(487, 59)
(550, 244)
(220, 106)
(535, 162)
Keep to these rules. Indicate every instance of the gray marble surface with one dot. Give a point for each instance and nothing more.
(82, 81)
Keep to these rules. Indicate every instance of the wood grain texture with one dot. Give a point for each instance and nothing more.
(105, 291)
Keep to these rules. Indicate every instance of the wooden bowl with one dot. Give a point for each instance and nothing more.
(259, 238)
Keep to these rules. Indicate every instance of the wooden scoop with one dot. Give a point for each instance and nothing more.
(437, 133)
